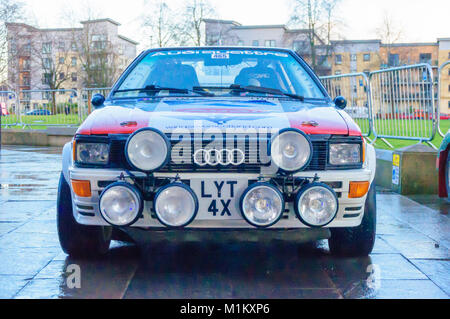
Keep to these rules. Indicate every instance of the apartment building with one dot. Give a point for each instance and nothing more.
(65, 59)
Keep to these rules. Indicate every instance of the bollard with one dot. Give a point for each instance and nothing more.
(414, 170)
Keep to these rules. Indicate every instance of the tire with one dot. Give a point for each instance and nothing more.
(357, 241)
(75, 239)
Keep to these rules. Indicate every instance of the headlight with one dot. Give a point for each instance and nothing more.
(176, 205)
(291, 150)
(316, 205)
(92, 153)
(121, 204)
(262, 205)
(344, 154)
(147, 149)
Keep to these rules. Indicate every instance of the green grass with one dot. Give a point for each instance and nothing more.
(387, 127)
(42, 122)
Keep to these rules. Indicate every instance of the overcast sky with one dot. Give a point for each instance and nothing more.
(421, 20)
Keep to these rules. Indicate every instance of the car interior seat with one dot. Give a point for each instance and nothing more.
(174, 75)
(258, 76)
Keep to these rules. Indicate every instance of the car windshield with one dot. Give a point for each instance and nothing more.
(216, 72)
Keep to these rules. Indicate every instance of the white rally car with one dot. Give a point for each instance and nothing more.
(235, 141)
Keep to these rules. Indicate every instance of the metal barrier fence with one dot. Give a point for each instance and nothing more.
(445, 65)
(356, 89)
(48, 108)
(8, 109)
(402, 101)
(86, 94)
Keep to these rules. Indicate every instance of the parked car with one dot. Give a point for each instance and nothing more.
(39, 112)
(235, 141)
(443, 166)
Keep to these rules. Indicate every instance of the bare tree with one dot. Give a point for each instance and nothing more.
(389, 32)
(98, 56)
(10, 11)
(51, 52)
(162, 24)
(195, 11)
(318, 17)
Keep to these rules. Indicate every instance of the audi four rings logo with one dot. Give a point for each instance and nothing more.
(215, 157)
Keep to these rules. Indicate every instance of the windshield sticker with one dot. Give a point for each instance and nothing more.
(220, 55)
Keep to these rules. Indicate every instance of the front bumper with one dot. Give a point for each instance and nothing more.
(350, 213)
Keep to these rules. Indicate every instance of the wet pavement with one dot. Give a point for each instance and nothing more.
(411, 257)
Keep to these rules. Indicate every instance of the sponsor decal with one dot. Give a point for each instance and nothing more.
(219, 54)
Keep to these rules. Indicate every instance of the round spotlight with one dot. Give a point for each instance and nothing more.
(316, 205)
(175, 205)
(291, 150)
(147, 149)
(262, 205)
(121, 204)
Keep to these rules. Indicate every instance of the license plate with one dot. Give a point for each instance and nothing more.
(218, 198)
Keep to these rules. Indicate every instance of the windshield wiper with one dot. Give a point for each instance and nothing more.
(252, 89)
(156, 89)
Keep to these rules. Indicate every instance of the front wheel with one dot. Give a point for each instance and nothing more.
(75, 239)
(357, 241)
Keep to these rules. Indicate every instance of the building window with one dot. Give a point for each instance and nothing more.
(449, 88)
(27, 48)
(61, 45)
(353, 57)
(270, 43)
(393, 60)
(299, 46)
(73, 46)
(367, 57)
(338, 72)
(47, 47)
(61, 75)
(240, 43)
(47, 63)
(449, 104)
(74, 77)
(425, 58)
(338, 59)
(322, 60)
(99, 41)
(74, 61)
(12, 46)
(46, 77)
(61, 60)
(26, 66)
(255, 43)
(46, 96)
(26, 81)
(449, 72)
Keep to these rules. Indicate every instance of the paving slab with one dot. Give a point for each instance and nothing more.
(436, 270)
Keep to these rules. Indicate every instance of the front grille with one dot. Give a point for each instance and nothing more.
(251, 148)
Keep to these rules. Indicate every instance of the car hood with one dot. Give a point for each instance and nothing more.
(120, 117)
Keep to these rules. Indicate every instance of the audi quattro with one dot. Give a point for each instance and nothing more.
(229, 140)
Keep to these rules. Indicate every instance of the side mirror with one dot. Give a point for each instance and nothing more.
(97, 100)
(340, 102)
